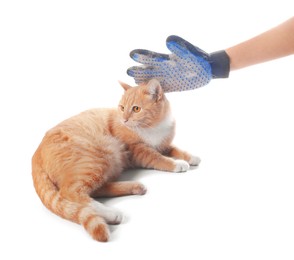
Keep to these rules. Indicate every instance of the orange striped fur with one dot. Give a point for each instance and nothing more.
(80, 158)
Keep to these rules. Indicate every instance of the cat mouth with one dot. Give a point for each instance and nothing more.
(130, 124)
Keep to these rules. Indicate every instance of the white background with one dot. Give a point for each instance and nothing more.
(58, 58)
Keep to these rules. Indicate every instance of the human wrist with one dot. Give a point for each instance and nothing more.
(220, 64)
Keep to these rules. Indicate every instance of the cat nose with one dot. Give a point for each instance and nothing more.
(125, 119)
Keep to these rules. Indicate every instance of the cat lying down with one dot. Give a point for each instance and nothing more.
(80, 158)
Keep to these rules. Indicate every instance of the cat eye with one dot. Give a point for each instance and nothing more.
(136, 109)
(122, 108)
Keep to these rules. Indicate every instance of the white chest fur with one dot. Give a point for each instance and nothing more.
(157, 134)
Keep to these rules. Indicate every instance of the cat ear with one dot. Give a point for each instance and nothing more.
(124, 85)
(154, 89)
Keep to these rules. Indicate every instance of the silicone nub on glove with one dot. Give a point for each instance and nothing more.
(186, 68)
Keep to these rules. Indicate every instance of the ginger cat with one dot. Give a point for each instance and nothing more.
(80, 158)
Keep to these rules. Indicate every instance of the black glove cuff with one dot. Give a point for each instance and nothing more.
(220, 64)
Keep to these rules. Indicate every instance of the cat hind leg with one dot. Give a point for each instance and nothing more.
(80, 193)
(111, 216)
(120, 188)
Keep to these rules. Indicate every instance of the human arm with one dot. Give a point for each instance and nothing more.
(276, 43)
(188, 67)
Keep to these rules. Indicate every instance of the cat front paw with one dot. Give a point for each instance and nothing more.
(194, 160)
(181, 166)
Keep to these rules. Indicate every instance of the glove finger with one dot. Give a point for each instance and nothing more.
(144, 72)
(140, 81)
(148, 57)
(181, 47)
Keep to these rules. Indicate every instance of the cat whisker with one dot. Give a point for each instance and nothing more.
(145, 124)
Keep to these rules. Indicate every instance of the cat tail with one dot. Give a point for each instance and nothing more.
(82, 214)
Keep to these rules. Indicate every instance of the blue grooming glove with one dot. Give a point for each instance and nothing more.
(186, 68)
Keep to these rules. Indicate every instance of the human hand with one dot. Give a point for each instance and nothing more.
(186, 68)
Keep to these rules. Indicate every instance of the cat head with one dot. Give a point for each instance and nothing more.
(144, 105)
